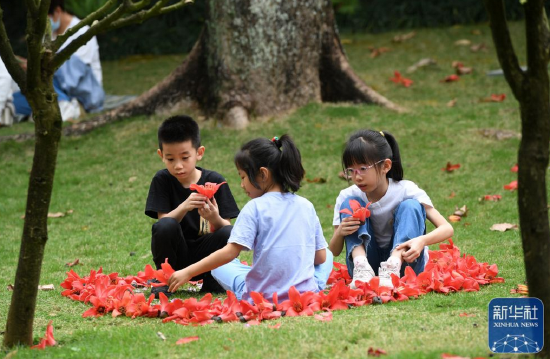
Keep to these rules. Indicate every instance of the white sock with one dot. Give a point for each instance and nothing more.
(394, 262)
(361, 259)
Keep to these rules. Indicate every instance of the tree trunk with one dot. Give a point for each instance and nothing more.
(256, 58)
(48, 121)
(531, 89)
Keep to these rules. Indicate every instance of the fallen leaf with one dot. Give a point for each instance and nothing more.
(56, 215)
(46, 287)
(375, 352)
(187, 340)
(466, 315)
(463, 70)
(476, 32)
(276, 326)
(452, 103)
(377, 51)
(451, 78)
(452, 195)
(132, 179)
(503, 227)
(461, 212)
(161, 336)
(511, 186)
(491, 197)
(73, 263)
(478, 47)
(10, 287)
(520, 289)
(457, 64)
(515, 168)
(450, 167)
(454, 218)
(498, 134)
(324, 317)
(463, 42)
(422, 63)
(404, 37)
(494, 98)
(316, 180)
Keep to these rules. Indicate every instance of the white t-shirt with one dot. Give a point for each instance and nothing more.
(5, 85)
(284, 232)
(382, 212)
(88, 53)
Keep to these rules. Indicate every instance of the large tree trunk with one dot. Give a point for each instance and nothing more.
(531, 89)
(256, 58)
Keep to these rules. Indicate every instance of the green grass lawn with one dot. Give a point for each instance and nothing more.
(104, 176)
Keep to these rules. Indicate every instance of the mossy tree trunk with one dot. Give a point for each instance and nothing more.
(531, 89)
(258, 58)
(36, 83)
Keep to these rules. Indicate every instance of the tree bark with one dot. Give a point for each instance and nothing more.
(531, 89)
(256, 58)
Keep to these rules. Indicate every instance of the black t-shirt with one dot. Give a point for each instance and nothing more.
(166, 193)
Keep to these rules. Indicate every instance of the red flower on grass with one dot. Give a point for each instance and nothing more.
(209, 189)
(515, 168)
(300, 304)
(361, 213)
(398, 79)
(511, 186)
(492, 197)
(163, 274)
(48, 339)
(451, 78)
(450, 167)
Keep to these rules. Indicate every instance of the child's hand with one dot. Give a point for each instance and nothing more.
(348, 226)
(412, 249)
(195, 200)
(210, 210)
(177, 279)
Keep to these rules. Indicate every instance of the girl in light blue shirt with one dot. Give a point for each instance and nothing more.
(281, 228)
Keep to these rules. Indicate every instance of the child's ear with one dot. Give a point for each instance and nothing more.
(159, 152)
(387, 165)
(200, 152)
(263, 173)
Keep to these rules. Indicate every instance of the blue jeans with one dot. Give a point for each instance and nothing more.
(409, 221)
(231, 276)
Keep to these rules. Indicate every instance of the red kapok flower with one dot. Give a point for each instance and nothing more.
(209, 189)
(450, 167)
(451, 78)
(361, 213)
(398, 79)
(47, 340)
(511, 186)
(515, 168)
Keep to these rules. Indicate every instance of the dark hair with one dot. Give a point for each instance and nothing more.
(368, 147)
(280, 156)
(54, 4)
(179, 129)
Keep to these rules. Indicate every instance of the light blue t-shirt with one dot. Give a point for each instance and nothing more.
(284, 232)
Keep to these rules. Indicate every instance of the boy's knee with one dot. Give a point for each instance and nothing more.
(166, 226)
(225, 232)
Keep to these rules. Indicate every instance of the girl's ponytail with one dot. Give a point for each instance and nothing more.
(396, 172)
(290, 171)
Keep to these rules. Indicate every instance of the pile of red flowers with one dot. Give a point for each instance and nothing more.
(447, 271)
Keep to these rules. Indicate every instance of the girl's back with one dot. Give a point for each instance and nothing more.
(284, 232)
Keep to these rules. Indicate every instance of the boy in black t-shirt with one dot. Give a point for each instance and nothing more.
(190, 226)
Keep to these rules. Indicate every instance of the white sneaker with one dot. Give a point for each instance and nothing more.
(363, 272)
(385, 271)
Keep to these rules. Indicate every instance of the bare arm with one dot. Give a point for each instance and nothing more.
(443, 230)
(320, 256)
(348, 226)
(213, 261)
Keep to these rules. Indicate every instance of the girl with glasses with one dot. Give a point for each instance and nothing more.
(394, 235)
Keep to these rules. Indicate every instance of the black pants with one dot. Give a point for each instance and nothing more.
(168, 242)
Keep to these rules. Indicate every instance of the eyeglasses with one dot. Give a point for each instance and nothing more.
(362, 170)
